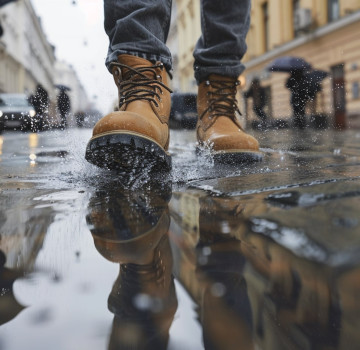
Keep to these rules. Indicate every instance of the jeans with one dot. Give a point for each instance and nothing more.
(140, 28)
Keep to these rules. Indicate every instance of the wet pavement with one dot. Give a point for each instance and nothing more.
(263, 256)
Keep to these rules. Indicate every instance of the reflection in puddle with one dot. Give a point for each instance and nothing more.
(244, 281)
(267, 257)
(130, 228)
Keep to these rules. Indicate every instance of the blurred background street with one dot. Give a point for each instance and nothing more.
(63, 43)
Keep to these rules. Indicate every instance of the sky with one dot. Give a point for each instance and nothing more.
(76, 29)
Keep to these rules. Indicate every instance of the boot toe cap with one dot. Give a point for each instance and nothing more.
(234, 141)
(133, 123)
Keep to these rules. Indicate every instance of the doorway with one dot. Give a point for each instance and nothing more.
(339, 99)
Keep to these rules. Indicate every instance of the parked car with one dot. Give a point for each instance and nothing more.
(16, 112)
(183, 112)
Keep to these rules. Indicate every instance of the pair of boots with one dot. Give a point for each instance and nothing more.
(137, 135)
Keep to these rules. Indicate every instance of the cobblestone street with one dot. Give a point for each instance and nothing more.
(263, 256)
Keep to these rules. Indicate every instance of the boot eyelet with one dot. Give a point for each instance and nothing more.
(207, 83)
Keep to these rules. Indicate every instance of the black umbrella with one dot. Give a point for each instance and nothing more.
(288, 64)
(316, 75)
(62, 87)
(4, 2)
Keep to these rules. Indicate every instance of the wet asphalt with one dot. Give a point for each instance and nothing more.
(254, 256)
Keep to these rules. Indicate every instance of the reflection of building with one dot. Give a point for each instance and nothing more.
(26, 57)
(66, 75)
(295, 302)
(324, 32)
(22, 230)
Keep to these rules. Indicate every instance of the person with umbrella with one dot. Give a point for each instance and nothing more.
(63, 105)
(315, 77)
(298, 83)
(40, 100)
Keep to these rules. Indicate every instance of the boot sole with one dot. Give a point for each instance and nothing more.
(127, 151)
(232, 157)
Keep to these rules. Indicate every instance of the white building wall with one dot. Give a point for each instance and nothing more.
(66, 75)
(26, 57)
(173, 45)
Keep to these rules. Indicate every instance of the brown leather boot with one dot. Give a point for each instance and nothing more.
(137, 135)
(218, 126)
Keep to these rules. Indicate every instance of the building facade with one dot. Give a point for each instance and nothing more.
(26, 56)
(28, 59)
(66, 75)
(189, 31)
(324, 32)
(173, 45)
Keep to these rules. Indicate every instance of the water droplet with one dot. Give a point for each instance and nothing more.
(206, 251)
(142, 301)
(218, 290)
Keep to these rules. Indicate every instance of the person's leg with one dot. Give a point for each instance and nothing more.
(217, 66)
(261, 114)
(138, 28)
(299, 115)
(222, 45)
(137, 134)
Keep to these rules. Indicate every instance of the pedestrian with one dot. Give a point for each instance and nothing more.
(64, 107)
(139, 60)
(257, 93)
(40, 101)
(299, 87)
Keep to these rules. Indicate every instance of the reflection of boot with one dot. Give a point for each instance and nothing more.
(218, 125)
(137, 134)
(143, 300)
(131, 228)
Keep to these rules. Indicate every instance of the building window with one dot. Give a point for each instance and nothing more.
(355, 90)
(333, 10)
(266, 28)
(296, 9)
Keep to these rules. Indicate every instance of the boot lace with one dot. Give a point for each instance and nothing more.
(136, 85)
(222, 100)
